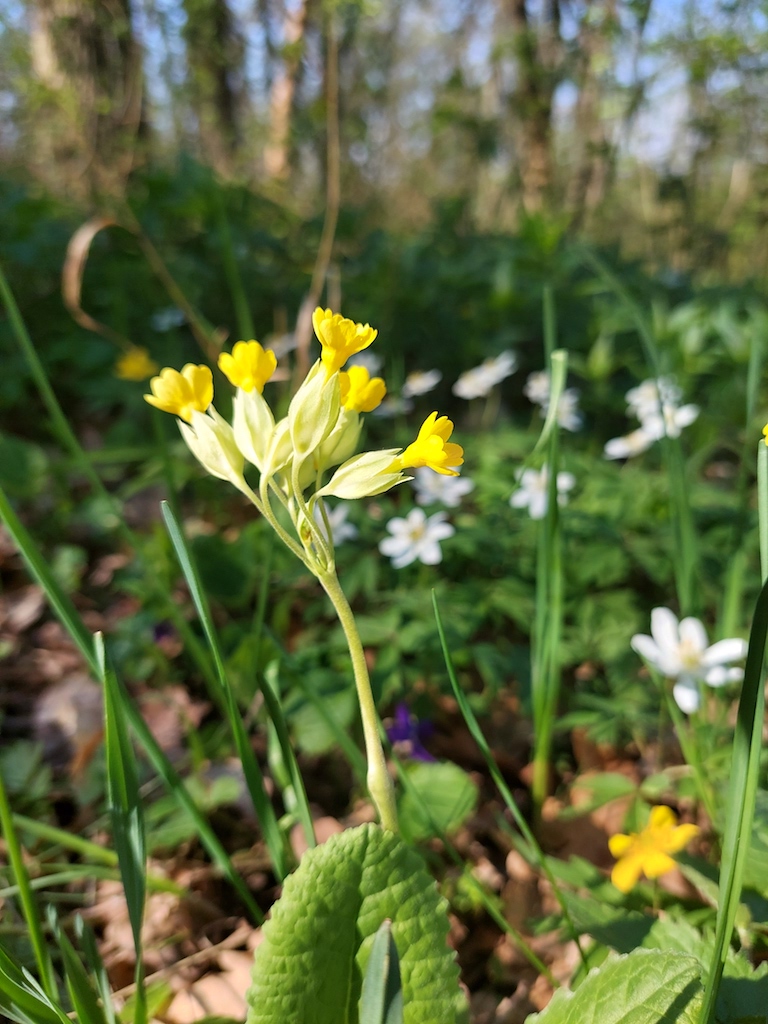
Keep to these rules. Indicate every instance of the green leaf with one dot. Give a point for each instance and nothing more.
(381, 1001)
(316, 946)
(644, 987)
(448, 793)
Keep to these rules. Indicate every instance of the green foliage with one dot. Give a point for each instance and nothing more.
(645, 987)
(311, 963)
(443, 790)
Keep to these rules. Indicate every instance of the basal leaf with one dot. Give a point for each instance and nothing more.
(644, 987)
(441, 788)
(310, 966)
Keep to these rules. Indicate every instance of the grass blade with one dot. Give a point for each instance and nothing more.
(745, 770)
(23, 1000)
(81, 993)
(26, 896)
(253, 774)
(87, 941)
(506, 794)
(126, 813)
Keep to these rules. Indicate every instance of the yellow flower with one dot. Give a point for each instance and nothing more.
(432, 448)
(359, 391)
(340, 338)
(249, 366)
(135, 364)
(182, 393)
(765, 432)
(648, 852)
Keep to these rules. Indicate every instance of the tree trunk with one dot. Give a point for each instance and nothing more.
(537, 53)
(592, 150)
(277, 153)
(215, 53)
(86, 57)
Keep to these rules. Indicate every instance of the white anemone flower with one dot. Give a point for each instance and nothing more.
(644, 400)
(533, 490)
(537, 390)
(681, 651)
(435, 488)
(392, 406)
(637, 441)
(421, 382)
(416, 537)
(341, 530)
(673, 422)
(480, 380)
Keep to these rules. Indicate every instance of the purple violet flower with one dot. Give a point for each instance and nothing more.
(408, 733)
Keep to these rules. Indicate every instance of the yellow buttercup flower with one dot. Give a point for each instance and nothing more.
(182, 393)
(249, 366)
(135, 364)
(359, 391)
(648, 852)
(340, 338)
(432, 448)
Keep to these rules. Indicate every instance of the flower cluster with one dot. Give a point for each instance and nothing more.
(655, 403)
(309, 454)
(533, 490)
(479, 381)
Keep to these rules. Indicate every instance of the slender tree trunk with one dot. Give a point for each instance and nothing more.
(277, 153)
(87, 60)
(591, 148)
(215, 54)
(537, 53)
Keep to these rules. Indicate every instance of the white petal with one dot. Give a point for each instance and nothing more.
(724, 651)
(440, 531)
(537, 506)
(520, 499)
(565, 481)
(400, 561)
(646, 647)
(685, 415)
(692, 632)
(430, 553)
(686, 695)
(395, 547)
(719, 675)
(664, 630)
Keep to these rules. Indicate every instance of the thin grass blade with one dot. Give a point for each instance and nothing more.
(84, 999)
(251, 769)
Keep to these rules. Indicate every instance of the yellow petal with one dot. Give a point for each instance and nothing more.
(656, 863)
(619, 844)
(661, 817)
(626, 872)
(680, 837)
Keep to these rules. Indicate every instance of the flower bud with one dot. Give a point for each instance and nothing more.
(212, 441)
(313, 411)
(366, 475)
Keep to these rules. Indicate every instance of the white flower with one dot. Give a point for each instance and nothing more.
(416, 536)
(372, 362)
(532, 493)
(537, 390)
(644, 400)
(421, 382)
(341, 530)
(654, 403)
(433, 487)
(638, 441)
(681, 651)
(477, 382)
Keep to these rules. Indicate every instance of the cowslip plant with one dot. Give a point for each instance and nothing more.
(311, 964)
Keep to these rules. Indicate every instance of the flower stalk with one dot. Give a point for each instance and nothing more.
(293, 456)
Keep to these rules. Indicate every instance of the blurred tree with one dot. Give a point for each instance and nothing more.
(215, 54)
(533, 40)
(88, 102)
(283, 89)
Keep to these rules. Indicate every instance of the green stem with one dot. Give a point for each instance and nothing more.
(379, 782)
